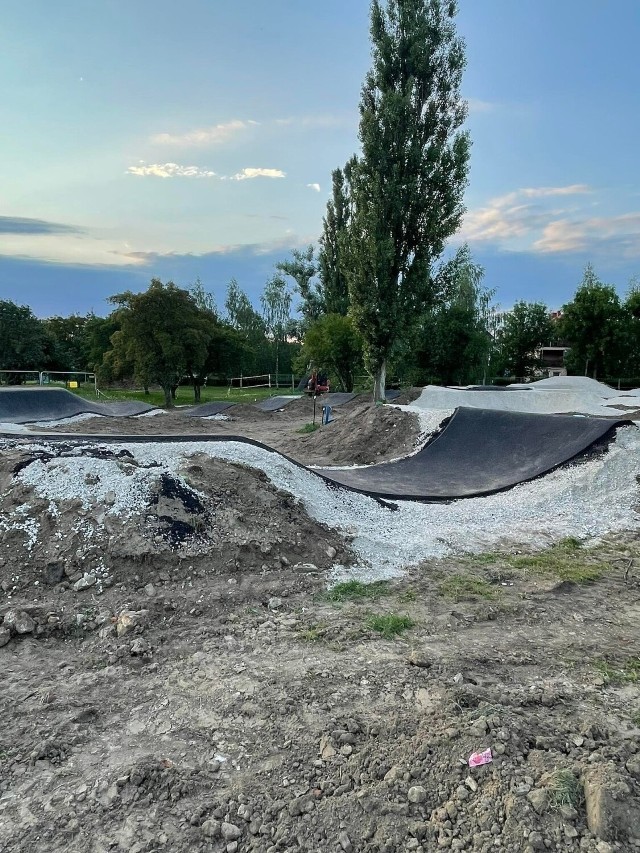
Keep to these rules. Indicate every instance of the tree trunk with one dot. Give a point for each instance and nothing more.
(379, 383)
(146, 390)
(196, 392)
(168, 399)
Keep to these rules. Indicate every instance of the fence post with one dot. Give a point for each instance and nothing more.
(40, 378)
(241, 380)
(269, 380)
(293, 383)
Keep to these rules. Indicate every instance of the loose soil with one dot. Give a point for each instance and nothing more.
(360, 433)
(205, 693)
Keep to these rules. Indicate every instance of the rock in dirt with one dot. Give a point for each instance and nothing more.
(53, 573)
(5, 635)
(230, 832)
(85, 582)
(19, 621)
(417, 794)
(130, 619)
(611, 811)
(345, 842)
(539, 799)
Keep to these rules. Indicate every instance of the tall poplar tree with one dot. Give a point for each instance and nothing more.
(407, 185)
(335, 291)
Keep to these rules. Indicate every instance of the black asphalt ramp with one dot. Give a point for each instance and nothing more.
(25, 405)
(480, 451)
(206, 410)
(274, 404)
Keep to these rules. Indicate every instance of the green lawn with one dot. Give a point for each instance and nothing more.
(184, 395)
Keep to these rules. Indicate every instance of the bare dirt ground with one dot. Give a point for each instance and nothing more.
(359, 434)
(183, 681)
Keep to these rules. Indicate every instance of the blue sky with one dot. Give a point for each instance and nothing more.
(176, 140)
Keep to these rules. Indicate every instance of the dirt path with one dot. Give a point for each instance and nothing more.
(208, 694)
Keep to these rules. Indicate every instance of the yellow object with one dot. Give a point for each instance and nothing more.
(73, 384)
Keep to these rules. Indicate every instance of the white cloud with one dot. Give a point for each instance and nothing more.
(315, 187)
(204, 136)
(476, 105)
(565, 235)
(527, 219)
(250, 173)
(511, 216)
(170, 170)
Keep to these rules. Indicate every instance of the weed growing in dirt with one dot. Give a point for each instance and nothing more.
(635, 719)
(356, 590)
(565, 790)
(312, 634)
(463, 586)
(625, 673)
(390, 625)
(307, 428)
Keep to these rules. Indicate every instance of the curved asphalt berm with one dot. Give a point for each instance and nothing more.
(479, 451)
(26, 405)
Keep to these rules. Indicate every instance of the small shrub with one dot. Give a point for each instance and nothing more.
(312, 634)
(390, 625)
(565, 790)
(307, 428)
(357, 590)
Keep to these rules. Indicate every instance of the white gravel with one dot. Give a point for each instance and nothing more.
(584, 500)
(74, 419)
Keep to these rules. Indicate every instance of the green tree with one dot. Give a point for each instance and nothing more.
(303, 268)
(406, 188)
(162, 333)
(242, 316)
(21, 339)
(593, 326)
(527, 327)
(332, 343)
(203, 298)
(335, 290)
(66, 342)
(455, 343)
(276, 310)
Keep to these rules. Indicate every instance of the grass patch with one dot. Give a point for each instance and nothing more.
(312, 634)
(565, 560)
(390, 625)
(184, 394)
(625, 673)
(459, 587)
(565, 790)
(357, 591)
(307, 428)
(635, 719)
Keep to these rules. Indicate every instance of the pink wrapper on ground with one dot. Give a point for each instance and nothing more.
(477, 759)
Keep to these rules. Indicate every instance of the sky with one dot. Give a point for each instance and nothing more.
(197, 139)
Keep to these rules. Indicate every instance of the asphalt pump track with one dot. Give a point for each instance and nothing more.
(476, 452)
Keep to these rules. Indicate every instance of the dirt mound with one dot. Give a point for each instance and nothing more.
(360, 434)
(96, 519)
(408, 396)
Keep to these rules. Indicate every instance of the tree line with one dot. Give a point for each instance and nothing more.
(377, 295)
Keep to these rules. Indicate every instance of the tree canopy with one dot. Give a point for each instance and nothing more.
(593, 324)
(406, 188)
(162, 333)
